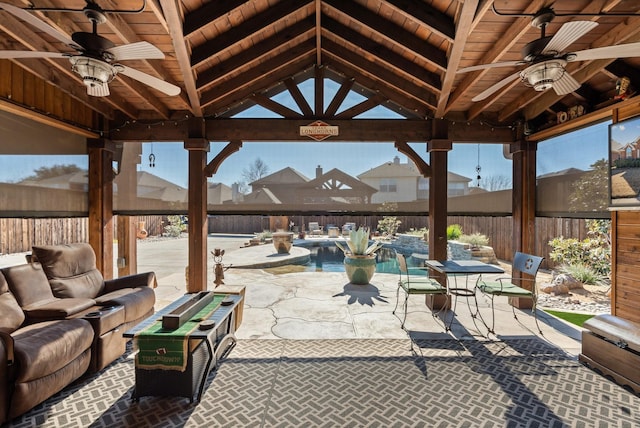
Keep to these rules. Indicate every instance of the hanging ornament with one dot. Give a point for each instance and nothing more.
(152, 159)
(478, 168)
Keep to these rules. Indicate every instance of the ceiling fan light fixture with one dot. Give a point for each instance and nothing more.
(543, 75)
(95, 74)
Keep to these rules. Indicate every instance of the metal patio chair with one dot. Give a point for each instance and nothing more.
(414, 284)
(525, 263)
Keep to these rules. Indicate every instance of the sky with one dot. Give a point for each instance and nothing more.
(578, 149)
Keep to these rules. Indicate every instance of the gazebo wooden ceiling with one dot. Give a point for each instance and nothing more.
(229, 55)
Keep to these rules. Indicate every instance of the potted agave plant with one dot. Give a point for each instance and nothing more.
(359, 257)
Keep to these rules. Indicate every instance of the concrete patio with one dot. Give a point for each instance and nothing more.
(314, 350)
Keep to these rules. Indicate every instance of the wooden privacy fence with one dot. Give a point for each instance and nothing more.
(18, 235)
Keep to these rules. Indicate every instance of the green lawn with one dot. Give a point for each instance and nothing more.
(573, 318)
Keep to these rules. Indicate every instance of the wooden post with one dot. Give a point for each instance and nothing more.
(524, 208)
(198, 147)
(438, 149)
(101, 203)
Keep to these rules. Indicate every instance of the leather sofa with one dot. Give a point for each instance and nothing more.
(59, 319)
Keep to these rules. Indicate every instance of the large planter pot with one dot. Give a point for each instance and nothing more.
(283, 241)
(360, 269)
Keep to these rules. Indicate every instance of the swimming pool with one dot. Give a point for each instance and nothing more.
(329, 258)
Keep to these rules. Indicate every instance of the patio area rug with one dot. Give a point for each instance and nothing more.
(523, 382)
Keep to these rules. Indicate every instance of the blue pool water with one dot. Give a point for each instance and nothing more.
(330, 259)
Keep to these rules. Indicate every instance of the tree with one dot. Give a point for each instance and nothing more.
(255, 171)
(53, 171)
(591, 191)
(494, 183)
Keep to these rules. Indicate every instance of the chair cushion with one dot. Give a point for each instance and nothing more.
(12, 316)
(57, 308)
(137, 301)
(28, 283)
(504, 289)
(71, 269)
(44, 348)
(423, 286)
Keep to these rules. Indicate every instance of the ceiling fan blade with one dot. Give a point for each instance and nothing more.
(36, 22)
(567, 34)
(492, 65)
(147, 79)
(566, 84)
(30, 54)
(138, 50)
(618, 51)
(98, 90)
(489, 91)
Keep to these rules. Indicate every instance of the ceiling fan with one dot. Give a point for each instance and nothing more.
(545, 58)
(97, 59)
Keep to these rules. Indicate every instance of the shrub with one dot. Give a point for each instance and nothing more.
(175, 227)
(389, 225)
(594, 251)
(475, 239)
(454, 231)
(584, 273)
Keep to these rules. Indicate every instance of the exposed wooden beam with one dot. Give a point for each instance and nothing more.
(423, 167)
(270, 16)
(156, 9)
(405, 86)
(275, 107)
(318, 15)
(339, 97)
(297, 96)
(520, 27)
(391, 32)
(318, 90)
(297, 33)
(437, 21)
(360, 108)
(19, 31)
(628, 32)
(171, 10)
(392, 59)
(413, 106)
(208, 14)
(263, 71)
(228, 150)
(463, 29)
(47, 120)
(620, 34)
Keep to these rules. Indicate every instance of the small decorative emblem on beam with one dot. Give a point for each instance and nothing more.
(318, 130)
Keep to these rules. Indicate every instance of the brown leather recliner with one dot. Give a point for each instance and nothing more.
(72, 273)
(39, 359)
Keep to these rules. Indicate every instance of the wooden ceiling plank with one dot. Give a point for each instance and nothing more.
(393, 60)
(535, 104)
(120, 27)
(465, 20)
(207, 14)
(387, 75)
(156, 9)
(19, 31)
(211, 75)
(440, 23)
(339, 97)
(297, 96)
(275, 107)
(248, 28)
(520, 27)
(391, 32)
(172, 12)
